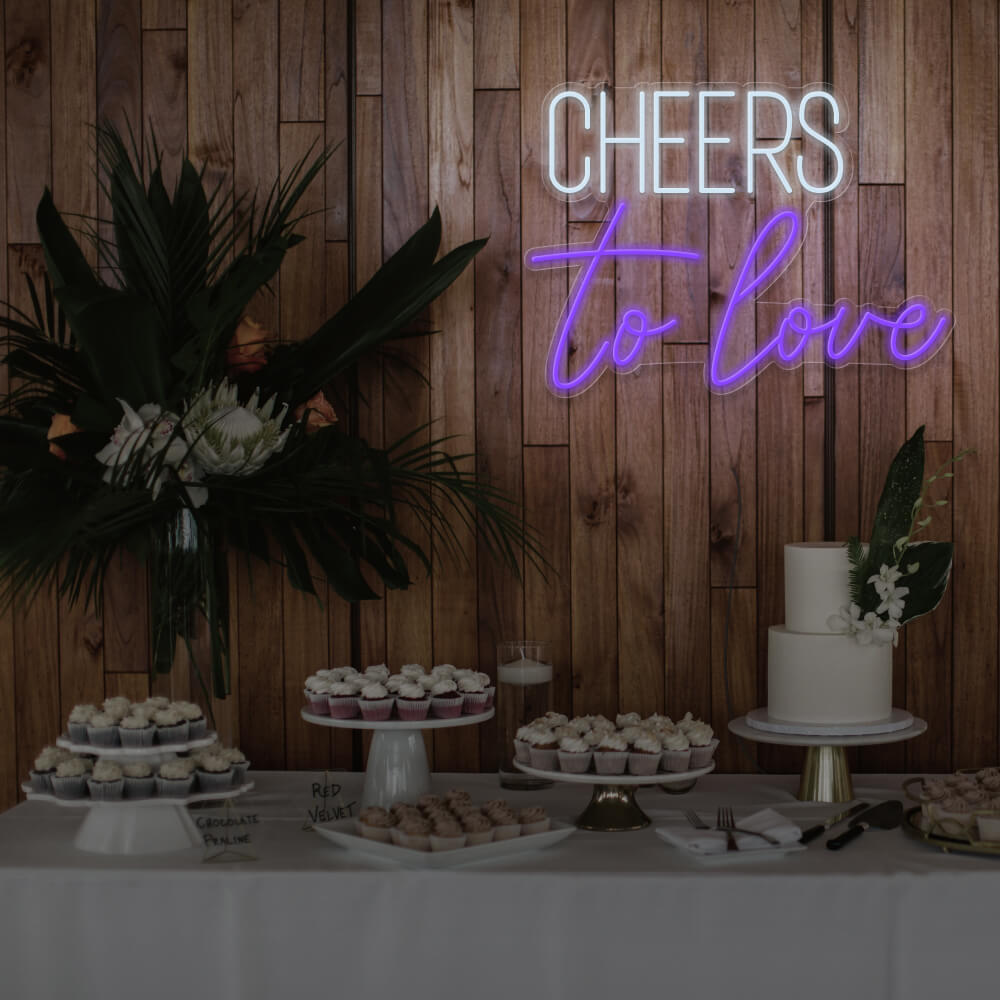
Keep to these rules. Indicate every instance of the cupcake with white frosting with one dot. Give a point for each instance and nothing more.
(106, 782)
(343, 700)
(412, 670)
(446, 699)
(377, 672)
(214, 773)
(78, 720)
(139, 780)
(117, 708)
(543, 749)
(644, 755)
(412, 701)
(175, 779)
(676, 755)
(489, 687)
(70, 779)
(239, 763)
(317, 692)
(574, 755)
(627, 719)
(522, 745)
(136, 730)
(473, 694)
(45, 767)
(102, 730)
(703, 743)
(611, 755)
(444, 670)
(195, 718)
(171, 726)
(394, 682)
(375, 702)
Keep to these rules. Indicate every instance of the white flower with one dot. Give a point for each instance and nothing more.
(230, 438)
(846, 620)
(893, 602)
(885, 580)
(879, 631)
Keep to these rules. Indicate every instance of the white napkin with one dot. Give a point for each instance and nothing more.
(714, 841)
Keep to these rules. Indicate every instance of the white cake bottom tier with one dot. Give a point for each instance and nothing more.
(826, 678)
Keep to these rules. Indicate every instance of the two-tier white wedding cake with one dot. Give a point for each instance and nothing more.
(815, 675)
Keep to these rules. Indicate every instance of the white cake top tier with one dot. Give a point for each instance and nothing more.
(817, 584)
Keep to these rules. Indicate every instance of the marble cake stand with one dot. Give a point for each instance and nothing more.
(612, 806)
(825, 774)
(397, 762)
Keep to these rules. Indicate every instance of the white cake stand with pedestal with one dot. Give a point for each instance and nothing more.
(612, 807)
(825, 774)
(397, 762)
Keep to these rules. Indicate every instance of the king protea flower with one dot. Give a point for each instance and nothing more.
(230, 438)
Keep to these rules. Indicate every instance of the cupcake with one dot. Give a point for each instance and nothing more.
(154, 704)
(644, 757)
(171, 726)
(215, 773)
(522, 748)
(413, 832)
(533, 819)
(340, 674)
(411, 670)
(78, 720)
(447, 835)
(427, 681)
(343, 700)
(195, 718)
(676, 755)
(377, 672)
(473, 695)
(478, 829)
(703, 744)
(574, 755)
(611, 755)
(456, 795)
(447, 670)
(376, 824)
(506, 825)
(70, 779)
(106, 782)
(627, 719)
(317, 692)
(102, 730)
(375, 702)
(139, 780)
(240, 764)
(136, 731)
(45, 767)
(543, 748)
(175, 778)
(117, 708)
(394, 682)
(412, 701)
(446, 700)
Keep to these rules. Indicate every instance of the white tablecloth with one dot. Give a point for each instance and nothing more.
(600, 915)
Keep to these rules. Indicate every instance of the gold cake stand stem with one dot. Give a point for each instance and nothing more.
(612, 808)
(826, 776)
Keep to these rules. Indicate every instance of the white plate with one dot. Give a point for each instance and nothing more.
(897, 720)
(154, 801)
(343, 832)
(118, 752)
(725, 857)
(397, 724)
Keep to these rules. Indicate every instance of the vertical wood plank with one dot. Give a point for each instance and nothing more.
(497, 46)
(164, 112)
(543, 218)
(639, 398)
(593, 520)
(976, 253)
(881, 93)
(29, 116)
(210, 88)
(451, 112)
(929, 202)
(368, 48)
(9, 777)
(740, 668)
(300, 60)
(134, 686)
(686, 583)
(159, 14)
(813, 469)
(498, 370)
(337, 104)
(778, 44)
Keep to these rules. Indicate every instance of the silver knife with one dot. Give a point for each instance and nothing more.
(815, 831)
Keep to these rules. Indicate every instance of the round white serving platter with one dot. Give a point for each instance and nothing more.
(898, 720)
(741, 727)
(634, 780)
(136, 753)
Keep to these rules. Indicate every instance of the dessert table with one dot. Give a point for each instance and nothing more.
(598, 915)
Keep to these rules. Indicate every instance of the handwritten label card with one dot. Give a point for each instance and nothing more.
(328, 804)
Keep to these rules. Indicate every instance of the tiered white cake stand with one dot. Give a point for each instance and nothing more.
(825, 774)
(137, 826)
(397, 762)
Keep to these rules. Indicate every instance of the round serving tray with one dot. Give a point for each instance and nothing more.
(913, 825)
(398, 725)
(151, 801)
(612, 807)
(138, 753)
(898, 719)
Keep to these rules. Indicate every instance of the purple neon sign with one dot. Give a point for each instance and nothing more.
(912, 334)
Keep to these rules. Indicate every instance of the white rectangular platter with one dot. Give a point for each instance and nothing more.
(343, 832)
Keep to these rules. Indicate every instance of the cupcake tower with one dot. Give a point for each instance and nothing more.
(630, 744)
(448, 823)
(412, 695)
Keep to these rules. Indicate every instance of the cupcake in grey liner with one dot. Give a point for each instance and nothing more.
(175, 778)
(70, 779)
(574, 755)
(171, 726)
(45, 767)
(644, 758)
(106, 782)
(703, 743)
(676, 755)
(139, 780)
(239, 763)
(102, 730)
(195, 718)
(78, 720)
(611, 755)
(136, 731)
(215, 773)
(117, 708)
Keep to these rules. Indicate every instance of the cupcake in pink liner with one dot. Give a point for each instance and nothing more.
(426, 681)
(377, 672)
(611, 755)
(447, 835)
(489, 687)
(343, 700)
(676, 755)
(136, 731)
(412, 670)
(394, 682)
(533, 819)
(574, 755)
(703, 744)
(543, 748)
(444, 670)
(478, 829)
(644, 757)
(446, 699)
(506, 825)
(412, 702)
(473, 695)
(375, 702)
(317, 692)
(375, 823)
(413, 832)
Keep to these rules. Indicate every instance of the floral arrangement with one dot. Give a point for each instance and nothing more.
(895, 578)
(151, 412)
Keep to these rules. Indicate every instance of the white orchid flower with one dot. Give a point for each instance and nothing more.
(893, 602)
(846, 620)
(885, 580)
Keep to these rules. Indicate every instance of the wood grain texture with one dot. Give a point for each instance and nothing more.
(734, 672)
(158, 14)
(119, 62)
(164, 111)
(778, 45)
(368, 47)
(210, 87)
(882, 150)
(300, 60)
(338, 113)
(497, 48)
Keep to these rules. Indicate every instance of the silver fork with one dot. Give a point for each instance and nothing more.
(725, 820)
(695, 820)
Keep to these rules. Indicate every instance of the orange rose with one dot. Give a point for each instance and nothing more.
(249, 348)
(60, 426)
(321, 413)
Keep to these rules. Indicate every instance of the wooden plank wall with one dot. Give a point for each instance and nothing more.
(643, 488)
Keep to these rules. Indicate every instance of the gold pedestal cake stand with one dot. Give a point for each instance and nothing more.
(825, 774)
(612, 807)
